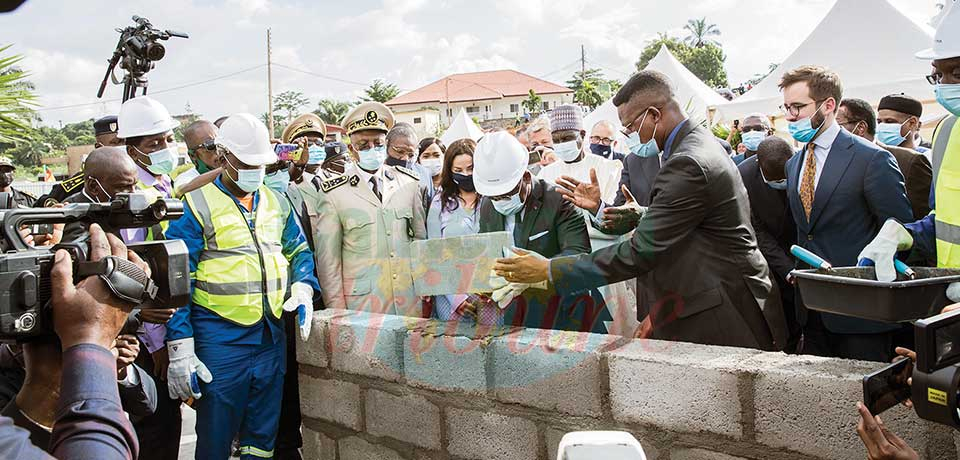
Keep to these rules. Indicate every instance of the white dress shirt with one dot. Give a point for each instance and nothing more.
(821, 149)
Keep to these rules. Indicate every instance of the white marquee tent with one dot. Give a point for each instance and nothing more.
(869, 43)
(461, 127)
(694, 96)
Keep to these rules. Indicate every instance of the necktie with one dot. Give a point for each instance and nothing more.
(808, 182)
(376, 190)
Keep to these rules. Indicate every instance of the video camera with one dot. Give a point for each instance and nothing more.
(25, 270)
(137, 52)
(935, 374)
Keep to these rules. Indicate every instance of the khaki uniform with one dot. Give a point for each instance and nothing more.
(362, 243)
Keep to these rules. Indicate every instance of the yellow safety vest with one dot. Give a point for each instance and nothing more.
(946, 164)
(154, 232)
(240, 267)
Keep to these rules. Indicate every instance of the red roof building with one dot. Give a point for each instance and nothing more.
(490, 95)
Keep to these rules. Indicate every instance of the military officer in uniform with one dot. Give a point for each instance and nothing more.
(364, 220)
(105, 131)
(20, 198)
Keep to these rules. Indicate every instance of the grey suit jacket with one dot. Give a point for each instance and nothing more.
(712, 284)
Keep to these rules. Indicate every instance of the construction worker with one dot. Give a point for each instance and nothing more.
(938, 234)
(242, 238)
(364, 220)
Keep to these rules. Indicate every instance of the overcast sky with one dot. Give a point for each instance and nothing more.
(408, 42)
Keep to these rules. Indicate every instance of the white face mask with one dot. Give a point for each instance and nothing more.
(433, 165)
(567, 151)
(162, 161)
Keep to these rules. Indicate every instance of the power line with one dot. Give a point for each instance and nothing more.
(166, 90)
(327, 77)
(608, 68)
(571, 64)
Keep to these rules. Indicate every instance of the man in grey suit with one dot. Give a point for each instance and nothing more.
(712, 284)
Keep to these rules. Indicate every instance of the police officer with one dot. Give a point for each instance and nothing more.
(364, 220)
(20, 198)
(938, 234)
(244, 243)
(105, 131)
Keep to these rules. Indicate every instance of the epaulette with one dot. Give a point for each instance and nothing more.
(408, 172)
(72, 183)
(333, 183)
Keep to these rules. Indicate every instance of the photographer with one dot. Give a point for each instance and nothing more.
(87, 318)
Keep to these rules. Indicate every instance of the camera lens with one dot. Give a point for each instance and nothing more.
(155, 51)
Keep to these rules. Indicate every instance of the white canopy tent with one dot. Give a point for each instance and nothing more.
(462, 127)
(869, 43)
(694, 96)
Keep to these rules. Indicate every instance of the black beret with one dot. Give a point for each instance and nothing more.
(902, 103)
(105, 125)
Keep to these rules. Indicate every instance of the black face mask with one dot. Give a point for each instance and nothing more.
(6, 179)
(391, 161)
(463, 181)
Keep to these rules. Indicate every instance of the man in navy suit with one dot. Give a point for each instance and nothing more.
(841, 190)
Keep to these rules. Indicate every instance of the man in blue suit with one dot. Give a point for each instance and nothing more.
(841, 190)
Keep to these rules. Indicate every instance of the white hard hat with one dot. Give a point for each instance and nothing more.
(247, 139)
(498, 164)
(946, 41)
(143, 116)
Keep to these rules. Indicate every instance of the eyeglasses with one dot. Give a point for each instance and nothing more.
(747, 129)
(935, 78)
(794, 109)
(848, 122)
(600, 140)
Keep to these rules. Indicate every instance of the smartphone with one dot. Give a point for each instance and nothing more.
(887, 387)
(287, 152)
(736, 123)
(535, 157)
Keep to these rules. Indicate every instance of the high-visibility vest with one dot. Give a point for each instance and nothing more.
(242, 270)
(154, 232)
(946, 164)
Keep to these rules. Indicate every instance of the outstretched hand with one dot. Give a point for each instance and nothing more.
(584, 195)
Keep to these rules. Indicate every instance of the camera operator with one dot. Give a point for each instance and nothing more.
(109, 171)
(87, 318)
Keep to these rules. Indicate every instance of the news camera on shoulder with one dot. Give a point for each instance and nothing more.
(25, 310)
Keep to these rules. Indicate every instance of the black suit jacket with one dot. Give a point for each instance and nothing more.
(917, 175)
(771, 218)
(551, 226)
(859, 189)
(696, 240)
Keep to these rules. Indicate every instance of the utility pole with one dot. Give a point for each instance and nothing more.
(269, 88)
(446, 91)
(583, 63)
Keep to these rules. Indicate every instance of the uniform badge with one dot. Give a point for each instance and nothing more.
(72, 183)
(331, 184)
(354, 181)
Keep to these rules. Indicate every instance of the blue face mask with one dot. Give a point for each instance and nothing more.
(249, 180)
(371, 159)
(889, 134)
(640, 148)
(316, 155)
(278, 180)
(802, 130)
(162, 161)
(752, 139)
(774, 184)
(948, 95)
(600, 149)
(509, 206)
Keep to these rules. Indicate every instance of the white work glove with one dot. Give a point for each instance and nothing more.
(880, 252)
(953, 292)
(185, 368)
(301, 300)
(504, 291)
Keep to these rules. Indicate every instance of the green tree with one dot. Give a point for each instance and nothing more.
(757, 78)
(590, 89)
(332, 111)
(290, 102)
(76, 130)
(700, 32)
(277, 123)
(28, 152)
(16, 100)
(706, 62)
(533, 103)
(380, 91)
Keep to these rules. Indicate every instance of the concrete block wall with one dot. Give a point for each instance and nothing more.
(387, 387)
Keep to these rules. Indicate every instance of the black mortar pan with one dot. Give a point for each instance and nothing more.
(855, 291)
